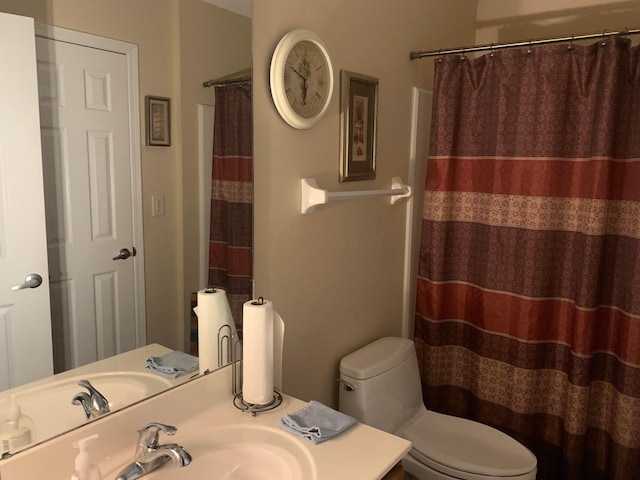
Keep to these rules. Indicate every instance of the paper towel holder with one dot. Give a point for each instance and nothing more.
(225, 338)
(236, 381)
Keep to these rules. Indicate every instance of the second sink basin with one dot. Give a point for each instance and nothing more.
(241, 452)
(49, 405)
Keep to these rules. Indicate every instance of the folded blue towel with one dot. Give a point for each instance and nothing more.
(317, 422)
(173, 364)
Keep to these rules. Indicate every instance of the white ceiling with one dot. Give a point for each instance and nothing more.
(242, 7)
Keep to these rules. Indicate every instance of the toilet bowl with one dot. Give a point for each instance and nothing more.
(380, 386)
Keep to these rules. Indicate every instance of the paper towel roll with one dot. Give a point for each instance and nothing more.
(257, 352)
(214, 320)
(278, 346)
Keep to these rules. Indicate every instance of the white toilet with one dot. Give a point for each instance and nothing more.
(380, 386)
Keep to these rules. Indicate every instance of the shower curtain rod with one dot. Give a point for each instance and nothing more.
(525, 43)
(235, 77)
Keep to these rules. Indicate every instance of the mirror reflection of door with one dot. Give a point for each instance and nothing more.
(85, 131)
(25, 326)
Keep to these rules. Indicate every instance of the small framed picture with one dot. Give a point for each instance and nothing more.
(158, 121)
(358, 125)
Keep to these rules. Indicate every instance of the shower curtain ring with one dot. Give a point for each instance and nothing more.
(491, 54)
(604, 41)
(462, 55)
(571, 46)
(529, 49)
(440, 56)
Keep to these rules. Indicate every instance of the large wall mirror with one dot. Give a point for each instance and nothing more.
(186, 43)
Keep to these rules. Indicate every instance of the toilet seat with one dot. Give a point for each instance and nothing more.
(467, 450)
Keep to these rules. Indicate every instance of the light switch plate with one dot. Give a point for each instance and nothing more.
(157, 205)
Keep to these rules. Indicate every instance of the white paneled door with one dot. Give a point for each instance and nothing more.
(25, 322)
(85, 115)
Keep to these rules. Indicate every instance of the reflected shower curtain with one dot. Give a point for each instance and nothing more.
(528, 309)
(231, 238)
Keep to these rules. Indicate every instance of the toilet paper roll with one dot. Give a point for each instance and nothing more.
(257, 352)
(215, 329)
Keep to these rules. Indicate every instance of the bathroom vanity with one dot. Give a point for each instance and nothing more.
(219, 437)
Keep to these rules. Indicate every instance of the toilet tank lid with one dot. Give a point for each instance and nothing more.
(376, 357)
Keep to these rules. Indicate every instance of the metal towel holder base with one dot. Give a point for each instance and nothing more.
(236, 381)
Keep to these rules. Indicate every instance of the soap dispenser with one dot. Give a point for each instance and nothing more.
(17, 431)
(84, 469)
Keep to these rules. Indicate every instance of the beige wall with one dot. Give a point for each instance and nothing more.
(336, 275)
(508, 20)
(181, 43)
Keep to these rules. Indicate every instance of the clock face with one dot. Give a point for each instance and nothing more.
(306, 79)
(301, 78)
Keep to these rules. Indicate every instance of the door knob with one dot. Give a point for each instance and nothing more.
(33, 280)
(124, 253)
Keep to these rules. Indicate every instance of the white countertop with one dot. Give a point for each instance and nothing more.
(361, 453)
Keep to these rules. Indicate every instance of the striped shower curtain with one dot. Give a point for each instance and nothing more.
(528, 309)
(231, 237)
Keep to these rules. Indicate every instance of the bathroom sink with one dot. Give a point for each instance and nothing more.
(49, 405)
(240, 452)
(120, 388)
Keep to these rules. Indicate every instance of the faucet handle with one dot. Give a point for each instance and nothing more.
(93, 403)
(148, 435)
(98, 401)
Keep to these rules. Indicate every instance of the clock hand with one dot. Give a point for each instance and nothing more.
(303, 85)
(298, 73)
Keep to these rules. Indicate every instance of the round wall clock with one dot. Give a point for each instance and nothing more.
(301, 78)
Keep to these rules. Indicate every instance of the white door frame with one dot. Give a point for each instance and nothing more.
(130, 51)
(420, 127)
(205, 153)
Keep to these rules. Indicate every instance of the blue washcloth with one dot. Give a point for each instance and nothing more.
(173, 364)
(317, 422)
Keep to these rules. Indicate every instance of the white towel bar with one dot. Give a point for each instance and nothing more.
(312, 195)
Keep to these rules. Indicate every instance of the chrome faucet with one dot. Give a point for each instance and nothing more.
(93, 403)
(150, 455)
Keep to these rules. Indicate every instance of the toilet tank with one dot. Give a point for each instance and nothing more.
(380, 384)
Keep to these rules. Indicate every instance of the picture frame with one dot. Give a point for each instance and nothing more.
(358, 126)
(158, 118)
